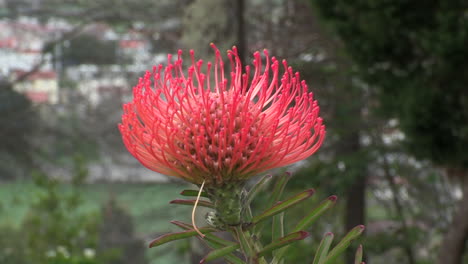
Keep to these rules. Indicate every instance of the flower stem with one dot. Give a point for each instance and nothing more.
(248, 245)
(228, 201)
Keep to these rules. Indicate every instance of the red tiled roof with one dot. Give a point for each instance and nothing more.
(37, 75)
(131, 43)
(38, 97)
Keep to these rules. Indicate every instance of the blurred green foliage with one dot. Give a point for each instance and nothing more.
(53, 229)
(89, 49)
(200, 27)
(413, 57)
(415, 54)
(18, 198)
(48, 221)
(16, 147)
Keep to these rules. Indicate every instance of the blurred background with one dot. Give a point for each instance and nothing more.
(390, 77)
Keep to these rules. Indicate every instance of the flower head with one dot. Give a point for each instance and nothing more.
(201, 125)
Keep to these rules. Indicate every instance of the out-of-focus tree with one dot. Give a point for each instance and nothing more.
(343, 170)
(117, 236)
(285, 28)
(241, 33)
(355, 164)
(54, 229)
(18, 122)
(87, 49)
(201, 27)
(58, 229)
(416, 55)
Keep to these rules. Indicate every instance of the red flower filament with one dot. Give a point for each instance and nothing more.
(184, 125)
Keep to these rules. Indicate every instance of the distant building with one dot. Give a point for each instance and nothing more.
(96, 83)
(21, 44)
(39, 87)
(21, 49)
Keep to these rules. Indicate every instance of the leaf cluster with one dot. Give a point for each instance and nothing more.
(415, 55)
(247, 245)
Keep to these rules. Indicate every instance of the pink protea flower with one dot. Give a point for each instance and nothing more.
(219, 129)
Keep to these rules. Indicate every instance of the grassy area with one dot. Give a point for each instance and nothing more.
(147, 203)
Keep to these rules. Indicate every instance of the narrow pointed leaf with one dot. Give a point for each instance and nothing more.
(283, 241)
(277, 227)
(278, 189)
(233, 259)
(358, 258)
(243, 238)
(222, 252)
(309, 219)
(256, 188)
(275, 196)
(193, 193)
(209, 237)
(192, 203)
(214, 242)
(180, 235)
(322, 251)
(182, 225)
(281, 206)
(344, 243)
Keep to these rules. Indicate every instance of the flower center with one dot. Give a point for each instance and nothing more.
(219, 135)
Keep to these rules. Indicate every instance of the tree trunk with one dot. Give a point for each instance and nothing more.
(454, 242)
(356, 194)
(240, 33)
(355, 211)
(399, 208)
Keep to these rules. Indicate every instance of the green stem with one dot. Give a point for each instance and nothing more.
(248, 246)
(232, 211)
(228, 201)
(245, 243)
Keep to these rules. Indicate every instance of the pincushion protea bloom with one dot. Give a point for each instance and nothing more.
(212, 128)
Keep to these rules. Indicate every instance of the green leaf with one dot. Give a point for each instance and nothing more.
(180, 235)
(253, 192)
(344, 243)
(223, 252)
(281, 206)
(214, 242)
(232, 259)
(358, 258)
(192, 203)
(244, 240)
(256, 188)
(209, 237)
(278, 188)
(276, 193)
(277, 226)
(193, 193)
(323, 248)
(309, 219)
(283, 241)
(182, 225)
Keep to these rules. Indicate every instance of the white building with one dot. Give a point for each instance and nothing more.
(39, 87)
